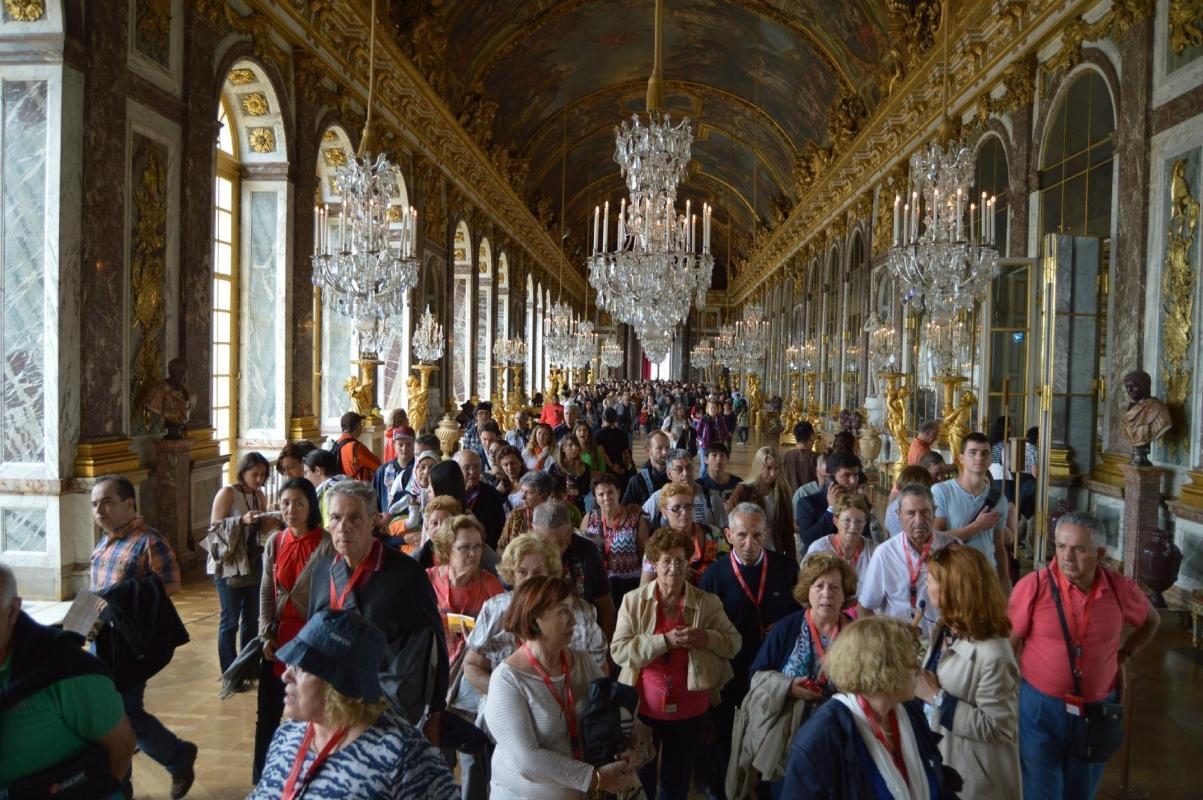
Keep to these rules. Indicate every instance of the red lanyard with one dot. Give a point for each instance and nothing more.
(291, 790)
(912, 569)
(1078, 624)
(895, 749)
(337, 601)
(839, 551)
(817, 641)
(764, 572)
(680, 605)
(567, 702)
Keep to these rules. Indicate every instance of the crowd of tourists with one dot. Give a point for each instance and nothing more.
(547, 615)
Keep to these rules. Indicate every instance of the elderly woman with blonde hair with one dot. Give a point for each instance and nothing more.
(706, 541)
(461, 587)
(872, 739)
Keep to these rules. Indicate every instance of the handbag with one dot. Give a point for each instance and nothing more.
(1099, 731)
(85, 777)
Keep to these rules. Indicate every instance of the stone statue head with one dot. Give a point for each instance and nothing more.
(177, 369)
(1138, 385)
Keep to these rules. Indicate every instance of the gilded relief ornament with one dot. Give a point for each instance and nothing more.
(153, 24)
(254, 104)
(148, 269)
(1178, 292)
(24, 10)
(1185, 19)
(263, 140)
(241, 76)
(334, 156)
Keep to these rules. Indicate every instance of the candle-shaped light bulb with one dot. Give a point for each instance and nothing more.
(606, 227)
(596, 225)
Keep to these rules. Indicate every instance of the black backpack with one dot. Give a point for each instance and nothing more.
(608, 720)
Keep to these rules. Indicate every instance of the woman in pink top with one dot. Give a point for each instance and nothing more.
(461, 587)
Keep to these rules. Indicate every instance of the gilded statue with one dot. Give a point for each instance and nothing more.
(896, 419)
(1146, 419)
(755, 399)
(419, 397)
(956, 423)
(363, 395)
(1178, 306)
(171, 400)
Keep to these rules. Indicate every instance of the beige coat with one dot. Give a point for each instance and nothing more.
(764, 724)
(635, 644)
(983, 743)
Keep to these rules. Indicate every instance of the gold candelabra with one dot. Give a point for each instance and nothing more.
(896, 397)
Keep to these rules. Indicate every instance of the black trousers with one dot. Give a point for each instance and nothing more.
(270, 711)
(676, 744)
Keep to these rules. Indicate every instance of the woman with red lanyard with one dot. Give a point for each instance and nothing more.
(795, 646)
(674, 644)
(708, 543)
(341, 740)
(461, 587)
(535, 700)
(851, 540)
(284, 599)
(620, 532)
(538, 453)
(871, 741)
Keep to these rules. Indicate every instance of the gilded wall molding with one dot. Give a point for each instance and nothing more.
(1118, 20)
(148, 274)
(829, 181)
(25, 10)
(1185, 21)
(1178, 304)
(334, 35)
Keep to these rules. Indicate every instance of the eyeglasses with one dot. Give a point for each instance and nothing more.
(669, 563)
(676, 509)
(853, 522)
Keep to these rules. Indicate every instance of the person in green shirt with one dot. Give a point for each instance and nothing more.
(56, 703)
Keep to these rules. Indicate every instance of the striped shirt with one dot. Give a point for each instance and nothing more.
(135, 550)
(388, 761)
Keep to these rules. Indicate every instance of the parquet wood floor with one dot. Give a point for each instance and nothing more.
(1167, 735)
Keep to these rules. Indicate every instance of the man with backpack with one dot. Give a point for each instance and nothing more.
(355, 458)
(970, 508)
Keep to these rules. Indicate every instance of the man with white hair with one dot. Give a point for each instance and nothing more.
(61, 718)
(390, 590)
(480, 499)
(1067, 625)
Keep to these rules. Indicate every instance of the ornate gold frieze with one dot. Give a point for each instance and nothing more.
(1019, 80)
(844, 119)
(254, 104)
(24, 10)
(153, 24)
(1185, 18)
(148, 270)
(1178, 305)
(1118, 20)
(262, 140)
(224, 16)
(334, 156)
(241, 76)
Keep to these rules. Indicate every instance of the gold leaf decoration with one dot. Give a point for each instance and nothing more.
(330, 136)
(255, 104)
(1178, 293)
(1185, 18)
(148, 268)
(394, 213)
(24, 10)
(263, 140)
(241, 76)
(334, 156)
(1118, 20)
(154, 24)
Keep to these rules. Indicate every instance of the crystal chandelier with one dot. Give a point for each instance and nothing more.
(943, 246)
(428, 338)
(882, 355)
(660, 258)
(583, 347)
(947, 346)
(559, 328)
(702, 354)
(751, 337)
(611, 354)
(656, 345)
(517, 350)
(367, 266)
(724, 347)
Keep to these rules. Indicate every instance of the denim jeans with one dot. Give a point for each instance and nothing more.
(1045, 731)
(239, 610)
(153, 737)
(676, 742)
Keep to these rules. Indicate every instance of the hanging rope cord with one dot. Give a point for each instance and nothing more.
(367, 123)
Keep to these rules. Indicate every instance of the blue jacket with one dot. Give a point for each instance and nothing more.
(778, 644)
(828, 758)
(814, 520)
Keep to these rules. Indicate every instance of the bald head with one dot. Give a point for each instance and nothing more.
(469, 464)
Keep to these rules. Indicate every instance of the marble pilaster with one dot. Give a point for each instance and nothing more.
(1142, 500)
(102, 282)
(304, 150)
(1129, 256)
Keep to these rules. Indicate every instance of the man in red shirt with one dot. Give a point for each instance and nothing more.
(1097, 602)
(922, 443)
(356, 458)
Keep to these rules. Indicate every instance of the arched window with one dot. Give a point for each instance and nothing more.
(338, 345)
(531, 345)
(484, 321)
(990, 176)
(1077, 162)
(225, 284)
(854, 321)
(461, 307)
(829, 347)
(502, 327)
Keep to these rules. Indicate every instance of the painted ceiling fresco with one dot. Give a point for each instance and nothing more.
(756, 77)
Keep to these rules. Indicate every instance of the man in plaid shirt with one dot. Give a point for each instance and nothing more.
(471, 440)
(131, 549)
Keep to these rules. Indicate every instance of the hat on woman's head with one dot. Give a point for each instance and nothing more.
(425, 454)
(341, 648)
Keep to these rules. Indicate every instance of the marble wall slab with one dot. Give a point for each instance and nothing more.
(264, 309)
(338, 351)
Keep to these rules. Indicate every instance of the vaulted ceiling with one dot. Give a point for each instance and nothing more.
(546, 81)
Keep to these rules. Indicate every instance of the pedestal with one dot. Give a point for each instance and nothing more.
(1142, 497)
(172, 477)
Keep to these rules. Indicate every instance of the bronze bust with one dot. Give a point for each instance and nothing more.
(1145, 420)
